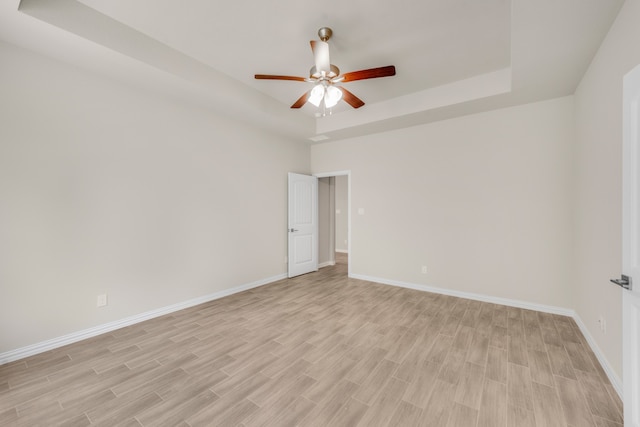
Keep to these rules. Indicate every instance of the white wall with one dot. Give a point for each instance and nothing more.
(483, 201)
(598, 181)
(342, 212)
(107, 190)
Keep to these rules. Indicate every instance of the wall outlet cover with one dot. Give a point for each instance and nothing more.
(102, 300)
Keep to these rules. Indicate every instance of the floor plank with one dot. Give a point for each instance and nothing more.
(574, 405)
(493, 409)
(462, 416)
(546, 407)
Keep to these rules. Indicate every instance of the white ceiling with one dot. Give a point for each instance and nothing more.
(452, 57)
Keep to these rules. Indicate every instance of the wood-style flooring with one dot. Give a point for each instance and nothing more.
(321, 350)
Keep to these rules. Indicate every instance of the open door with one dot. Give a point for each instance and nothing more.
(631, 249)
(302, 224)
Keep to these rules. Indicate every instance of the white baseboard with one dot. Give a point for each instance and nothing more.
(613, 378)
(326, 264)
(342, 251)
(54, 343)
(469, 295)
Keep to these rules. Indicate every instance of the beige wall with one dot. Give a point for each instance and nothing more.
(107, 190)
(326, 220)
(342, 205)
(598, 181)
(483, 201)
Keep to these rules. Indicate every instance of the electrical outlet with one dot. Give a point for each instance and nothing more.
(424, 269)
(102, 300)
(603, 324)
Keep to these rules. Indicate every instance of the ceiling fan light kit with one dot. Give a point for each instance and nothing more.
(330, 94)
(325, 75)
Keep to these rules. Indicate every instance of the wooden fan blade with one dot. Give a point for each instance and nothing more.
(270, 77)
(371, 73)
(301, 101)
(351, 99)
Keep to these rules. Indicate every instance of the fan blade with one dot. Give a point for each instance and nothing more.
(301, 101)
(351, 99)
(321, 55)
(371, 73)
(270, 77)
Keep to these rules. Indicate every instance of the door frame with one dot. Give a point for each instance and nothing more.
(631, 247)
(346, 173)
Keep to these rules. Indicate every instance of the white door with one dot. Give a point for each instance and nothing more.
(303, 224)
(631, 248)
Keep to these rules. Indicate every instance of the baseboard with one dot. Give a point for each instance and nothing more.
(326, 264)
(613, 378)
(54, 343)
(342, 251)
(469, 295)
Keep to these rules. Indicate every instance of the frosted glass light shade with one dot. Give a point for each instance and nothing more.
(316, 95)
(332, 97)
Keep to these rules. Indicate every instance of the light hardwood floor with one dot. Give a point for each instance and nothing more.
(321, 350)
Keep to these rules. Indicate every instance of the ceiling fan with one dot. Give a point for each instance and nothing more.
(325, 76)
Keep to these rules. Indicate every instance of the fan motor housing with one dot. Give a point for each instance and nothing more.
(315, 74)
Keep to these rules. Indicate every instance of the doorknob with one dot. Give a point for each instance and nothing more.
(624, 281)
(292, 230)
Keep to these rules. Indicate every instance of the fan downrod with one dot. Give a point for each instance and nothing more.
(325, 33)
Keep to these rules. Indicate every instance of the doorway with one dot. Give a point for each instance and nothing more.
(334, 219)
